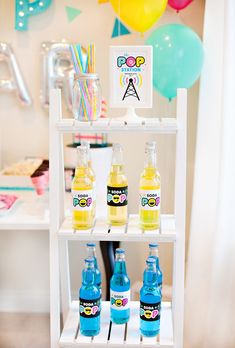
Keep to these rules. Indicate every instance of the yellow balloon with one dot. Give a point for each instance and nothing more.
(140, 15)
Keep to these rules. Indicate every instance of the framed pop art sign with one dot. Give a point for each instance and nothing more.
(131, 76)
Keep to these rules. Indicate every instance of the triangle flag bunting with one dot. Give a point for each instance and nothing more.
(72, 13)
(119, 29)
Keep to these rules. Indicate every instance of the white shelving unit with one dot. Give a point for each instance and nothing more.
(172, 231)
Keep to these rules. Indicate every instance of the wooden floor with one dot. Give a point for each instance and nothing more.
(24, 330)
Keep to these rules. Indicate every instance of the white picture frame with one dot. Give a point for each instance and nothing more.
(130, 71)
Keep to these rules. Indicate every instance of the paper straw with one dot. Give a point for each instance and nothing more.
(74, 59)
(78, 60)
(88, 105)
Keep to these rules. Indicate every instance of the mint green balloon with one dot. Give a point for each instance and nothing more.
(177, 58)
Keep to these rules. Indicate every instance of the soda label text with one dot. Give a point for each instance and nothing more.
(150, 312)
(89, 308)
(120, 300)
(82, 200)
(150, 199)
(117, 196)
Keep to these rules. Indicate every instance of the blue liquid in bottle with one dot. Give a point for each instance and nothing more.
(150, 301)
(120, 290)
(91, 252)
(153, 252)
(89, 295)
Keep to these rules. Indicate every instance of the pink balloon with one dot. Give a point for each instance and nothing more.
(179, 4)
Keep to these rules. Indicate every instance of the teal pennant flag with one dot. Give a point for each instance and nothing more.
(119, 29)
(72, 13)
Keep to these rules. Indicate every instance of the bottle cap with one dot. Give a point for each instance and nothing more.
(120, 251)
(153, 245)
(90, 244)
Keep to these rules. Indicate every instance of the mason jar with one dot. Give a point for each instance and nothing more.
(87, 97)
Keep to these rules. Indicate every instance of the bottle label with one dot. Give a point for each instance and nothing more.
(89, 308)
(82, 200)
(117, 196)
(120, 300)
(150, 199)
(150, 311)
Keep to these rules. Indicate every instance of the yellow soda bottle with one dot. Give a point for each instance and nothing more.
(91, 174)
(117, 189)
(82, 193)
(150, 191)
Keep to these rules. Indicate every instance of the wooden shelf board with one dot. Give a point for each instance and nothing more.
(129, 232)
(150, 124)
(71, 336)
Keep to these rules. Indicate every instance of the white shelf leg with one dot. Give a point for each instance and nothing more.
(180, 206)
(64, 278)
(65, 290)
(55, 215)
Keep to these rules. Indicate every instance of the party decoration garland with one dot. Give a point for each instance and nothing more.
(119, 29)
(72, 13)
(25, 8)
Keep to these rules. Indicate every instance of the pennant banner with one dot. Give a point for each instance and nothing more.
(72, 13)
(119, 29)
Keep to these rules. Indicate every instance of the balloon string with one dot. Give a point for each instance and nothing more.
(119, 15)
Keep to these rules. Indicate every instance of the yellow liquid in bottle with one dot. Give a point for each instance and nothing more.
(149, 210)
(117, 190)
(82, 188)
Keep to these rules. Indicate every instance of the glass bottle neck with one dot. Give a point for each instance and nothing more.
(150, 275)
(91, 253)
(153, 252)
(88, 277)
(150, 159)
(120, 264)
(86, 144)
(117, 158)
(82, 160)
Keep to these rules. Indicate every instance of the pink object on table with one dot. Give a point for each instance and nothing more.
(40, 178)
(6, 201)
(40, 182)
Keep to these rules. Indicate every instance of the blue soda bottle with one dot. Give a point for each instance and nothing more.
(150, 301)
(92, 253)
(89, 296)
(120, 290)
(153, 252)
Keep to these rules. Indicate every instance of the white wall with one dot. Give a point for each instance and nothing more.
(24, 131)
